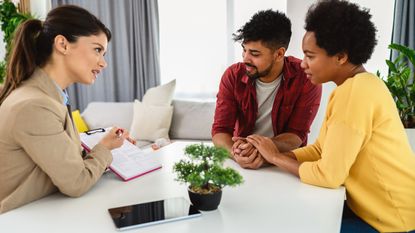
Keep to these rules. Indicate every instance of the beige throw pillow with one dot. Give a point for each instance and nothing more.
(152, 117)
(160, 95)
(151, 122)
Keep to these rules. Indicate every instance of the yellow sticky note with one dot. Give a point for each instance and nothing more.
(79, 122)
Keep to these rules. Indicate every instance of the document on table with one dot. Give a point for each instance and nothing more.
(129, 161)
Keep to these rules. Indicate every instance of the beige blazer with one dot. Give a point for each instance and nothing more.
(40, 149)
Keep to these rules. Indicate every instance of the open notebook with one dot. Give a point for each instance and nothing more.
(129, 161)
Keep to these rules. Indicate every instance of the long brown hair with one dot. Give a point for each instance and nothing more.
(33, 41)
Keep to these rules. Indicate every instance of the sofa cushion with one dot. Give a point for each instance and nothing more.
(192, 120)
(152, 116)
(151, 122)
(160, 95)
(106, 114)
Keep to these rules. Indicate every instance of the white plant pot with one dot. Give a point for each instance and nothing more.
(411, 137)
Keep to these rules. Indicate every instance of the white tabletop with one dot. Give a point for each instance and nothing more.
(270, 200)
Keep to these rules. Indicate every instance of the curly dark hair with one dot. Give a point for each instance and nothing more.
(341, 26)
(273, 28)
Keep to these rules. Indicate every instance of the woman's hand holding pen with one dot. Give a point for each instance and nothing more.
(115, 138)
(124, 134)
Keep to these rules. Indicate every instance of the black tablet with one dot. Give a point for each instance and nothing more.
(150, 213)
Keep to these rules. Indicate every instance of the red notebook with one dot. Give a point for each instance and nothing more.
(129, 161)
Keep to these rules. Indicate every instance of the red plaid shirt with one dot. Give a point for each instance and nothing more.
(294, 109)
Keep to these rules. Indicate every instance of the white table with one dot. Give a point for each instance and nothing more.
(270, 200)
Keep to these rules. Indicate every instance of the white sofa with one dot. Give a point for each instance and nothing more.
(192, 120)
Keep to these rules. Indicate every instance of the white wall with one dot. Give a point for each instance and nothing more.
(40, 8)
(196, 41)
(192, 45)
(382, 17)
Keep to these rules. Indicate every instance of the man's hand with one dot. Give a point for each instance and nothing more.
(237, 142)
(245, 154)
(254, 161)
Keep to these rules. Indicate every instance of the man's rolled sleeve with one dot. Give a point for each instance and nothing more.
(226, 106)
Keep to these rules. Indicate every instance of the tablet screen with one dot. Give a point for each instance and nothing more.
(150, 213)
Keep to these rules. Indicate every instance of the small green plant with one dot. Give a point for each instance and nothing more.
(10, 19)
(400, 82)
(203, 169)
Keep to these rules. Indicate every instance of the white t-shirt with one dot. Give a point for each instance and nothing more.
(265, 93)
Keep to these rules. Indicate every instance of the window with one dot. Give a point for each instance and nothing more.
(196, 41)
(193, 45)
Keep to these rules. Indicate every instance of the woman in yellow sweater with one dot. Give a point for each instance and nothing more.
(362, 143)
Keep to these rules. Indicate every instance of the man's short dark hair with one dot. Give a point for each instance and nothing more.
(273, 28)
(341, 26)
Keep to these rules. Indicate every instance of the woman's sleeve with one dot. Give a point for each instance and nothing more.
(308, 153)
(341, 147)
(40, 131)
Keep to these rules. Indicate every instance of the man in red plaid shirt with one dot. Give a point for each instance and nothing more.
(268, 94)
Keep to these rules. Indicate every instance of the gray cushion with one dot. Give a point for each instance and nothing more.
(107, 114)
(192, 120)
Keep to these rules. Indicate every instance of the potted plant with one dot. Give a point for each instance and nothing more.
(10, 19)
(400, 82)
(204, 172)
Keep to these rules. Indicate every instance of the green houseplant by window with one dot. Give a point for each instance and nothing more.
(10, 19)
(400, 82)
(203, 171)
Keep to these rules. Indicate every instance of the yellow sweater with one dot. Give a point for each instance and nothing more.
(363, 146)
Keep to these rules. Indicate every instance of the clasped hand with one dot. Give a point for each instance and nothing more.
(254, 151)
(265, 147)
(245, 154)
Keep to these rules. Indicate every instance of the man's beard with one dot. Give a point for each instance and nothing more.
(257, 74)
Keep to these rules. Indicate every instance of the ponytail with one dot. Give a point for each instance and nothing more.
(22, 60)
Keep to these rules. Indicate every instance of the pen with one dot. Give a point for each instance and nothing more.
(119, 132)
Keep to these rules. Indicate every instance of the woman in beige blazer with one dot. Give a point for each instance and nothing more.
(40, 150)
